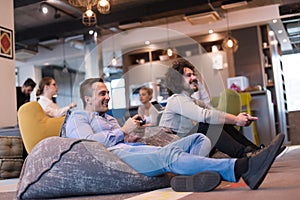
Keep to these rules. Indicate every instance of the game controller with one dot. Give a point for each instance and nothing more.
(141, 121)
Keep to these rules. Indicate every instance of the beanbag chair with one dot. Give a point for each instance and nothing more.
(61, 167)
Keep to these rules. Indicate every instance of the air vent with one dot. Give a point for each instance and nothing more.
(202, 18)
(129, 25)
(24, 54)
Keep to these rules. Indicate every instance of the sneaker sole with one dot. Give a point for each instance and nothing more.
(200, 182)
(255, 181)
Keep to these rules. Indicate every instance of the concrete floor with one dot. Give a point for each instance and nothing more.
(281, 183)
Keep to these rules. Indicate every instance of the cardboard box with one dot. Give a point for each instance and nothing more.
(240, 81)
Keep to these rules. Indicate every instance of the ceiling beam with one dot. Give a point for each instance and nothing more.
(21, 3)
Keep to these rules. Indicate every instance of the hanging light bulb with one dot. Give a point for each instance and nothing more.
(170, 52)
(114, 61)
(230, 42)
(89, 13)
(44, 9)
(89, 17)
(103, 6)
(65, 64)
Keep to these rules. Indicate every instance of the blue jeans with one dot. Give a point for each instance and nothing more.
(185, 157)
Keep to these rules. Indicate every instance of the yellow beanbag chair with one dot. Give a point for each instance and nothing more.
(35, 125)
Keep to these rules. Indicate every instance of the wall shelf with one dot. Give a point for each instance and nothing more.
(274, 78)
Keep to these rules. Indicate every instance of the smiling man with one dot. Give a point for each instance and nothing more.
(182, 112)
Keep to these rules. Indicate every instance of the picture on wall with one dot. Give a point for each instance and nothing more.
(6, 43)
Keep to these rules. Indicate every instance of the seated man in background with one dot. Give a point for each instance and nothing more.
(23, 93)
(182, 111)
(184, 157)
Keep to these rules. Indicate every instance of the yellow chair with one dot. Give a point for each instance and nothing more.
(35, 125)
(229, 102)
(246, 99)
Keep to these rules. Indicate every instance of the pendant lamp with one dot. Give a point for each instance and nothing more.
(230, 43)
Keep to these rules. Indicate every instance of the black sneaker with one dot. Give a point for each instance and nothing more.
(260, 164)
(200, 182)
(281, 151)
(254, 153)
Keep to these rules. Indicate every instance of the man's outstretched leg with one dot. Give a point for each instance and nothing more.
(253, 170)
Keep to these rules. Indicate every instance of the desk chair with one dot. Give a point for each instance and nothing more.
(245, 100)
(229, 102)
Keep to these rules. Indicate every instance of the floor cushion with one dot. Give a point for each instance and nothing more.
(60, 167)
(11, 156)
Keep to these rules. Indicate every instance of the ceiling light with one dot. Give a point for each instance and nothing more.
(89, 13)
(280, 31)
(284, 40)
(89, 18)
(114, 61)
(274, 21)
(91, 32)
(44, 9)
(274, 42)
(170, 52)
(234, 5)
(271, 33)
(229, 43)
(95, 35)
(147, 42)
(214, 48)
(103, 6)
(210, 31)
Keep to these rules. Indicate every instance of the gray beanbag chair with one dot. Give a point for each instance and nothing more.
(60, 167)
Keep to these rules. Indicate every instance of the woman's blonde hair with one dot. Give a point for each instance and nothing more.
(148, 90)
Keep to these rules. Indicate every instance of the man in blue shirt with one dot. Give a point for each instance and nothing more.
(185, 157)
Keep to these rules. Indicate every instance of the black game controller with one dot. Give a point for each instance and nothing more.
(141, 121)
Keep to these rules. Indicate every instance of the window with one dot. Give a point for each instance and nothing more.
(117, 93)
(291, 72)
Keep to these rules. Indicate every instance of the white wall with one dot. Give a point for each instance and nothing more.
(8, 107)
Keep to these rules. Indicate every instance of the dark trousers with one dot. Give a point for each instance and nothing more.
(230, 140)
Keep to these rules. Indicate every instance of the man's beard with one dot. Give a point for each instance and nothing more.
(189, 89)
(195, 89)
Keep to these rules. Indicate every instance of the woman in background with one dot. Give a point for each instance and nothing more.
(47, 89)
(147, 110)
